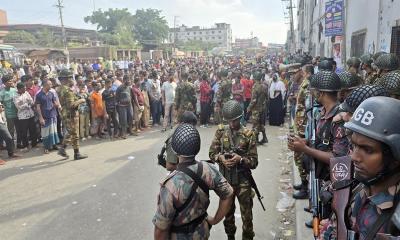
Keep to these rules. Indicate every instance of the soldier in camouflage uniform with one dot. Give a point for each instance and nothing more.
(224, 90)
(70, 115)
(234, 148)
(185, 97)
(386, 63)
(391, 82)
(184, 195)
(300, 123)
(257, 107)
(366, 65)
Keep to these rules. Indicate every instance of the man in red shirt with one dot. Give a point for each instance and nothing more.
(138, 103)
(248, 85)
(205, 100)
(30, 87)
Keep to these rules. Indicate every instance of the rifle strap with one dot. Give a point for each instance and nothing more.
(338, 185)
(383, 218)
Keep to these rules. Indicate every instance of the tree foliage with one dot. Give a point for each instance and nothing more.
(197, 45)
(108, 21)
(149, 25)
(46, 38)
(120, 27)
(20, 37)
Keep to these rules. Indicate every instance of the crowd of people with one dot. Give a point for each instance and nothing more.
(121, 98)
(347, 117)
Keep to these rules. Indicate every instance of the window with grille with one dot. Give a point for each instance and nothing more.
(395, 44)
(358, 44)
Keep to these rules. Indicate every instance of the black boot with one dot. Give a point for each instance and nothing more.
(309, 224)
(231, 237)
(303, 184)
(301, 194)
(264, 139)
(78, 156)
(62, 152)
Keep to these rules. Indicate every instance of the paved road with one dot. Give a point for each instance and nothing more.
(110, 195)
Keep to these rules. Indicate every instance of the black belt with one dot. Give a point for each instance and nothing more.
(189, 227)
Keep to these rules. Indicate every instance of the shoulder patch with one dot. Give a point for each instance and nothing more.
(248, 132)
(221, 127)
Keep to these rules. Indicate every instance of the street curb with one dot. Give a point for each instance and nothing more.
(302, 232)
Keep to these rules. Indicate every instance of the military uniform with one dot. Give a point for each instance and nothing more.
(69, 116)
(257, 107)
(175, 190)
(243, 141)
(371, 78)
(185, 98)
(224, 92)
(300, 123)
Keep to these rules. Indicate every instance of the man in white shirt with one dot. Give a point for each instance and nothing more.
(168, 98)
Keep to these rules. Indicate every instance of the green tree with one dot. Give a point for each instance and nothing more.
(149, 25)
(46, 38)
(20, 37)
(108, 21)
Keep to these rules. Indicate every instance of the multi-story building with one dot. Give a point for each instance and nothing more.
(247, 43)
(220, 34)
(72, 34)
(367, 27)
(3, 21)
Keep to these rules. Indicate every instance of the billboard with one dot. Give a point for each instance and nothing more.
(334, 18)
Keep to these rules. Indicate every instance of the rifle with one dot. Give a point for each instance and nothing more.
(314, 182)
(249, 176)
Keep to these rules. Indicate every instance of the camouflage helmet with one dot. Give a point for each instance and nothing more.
(224, 72)
(367, 59)
(391, 82)
(232, 110)
(360, 94)
(65, 74)
(325, 65)
(377, 55)
(349, 81)
(388, 61)
(186, 140)
(353, 62)
(313, 82)
(326, 81)
(257, 76)
(368, 121)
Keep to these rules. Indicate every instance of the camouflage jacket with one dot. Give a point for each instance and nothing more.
(243, 140)
(371, 78)
(258, 98)
(301, 116)
(185, 96)
(68, 102)
(174, 192)
(224, 91)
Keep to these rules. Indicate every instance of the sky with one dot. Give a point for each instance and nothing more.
(263, 18)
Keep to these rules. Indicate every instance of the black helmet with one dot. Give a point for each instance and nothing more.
(358, 95)
(65, 74)
(367, 59)
(391, 82)
(326, 81)
(388, 61)
(186, 141)
(224, 72)
(325, 65)
(257, 76)
(232, 110)
(369, 120)
(189, 118)
(353, 62)
(349, 81)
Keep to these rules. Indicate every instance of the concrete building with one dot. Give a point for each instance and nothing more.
(244, 43)
(368, 27)
(220, 34)
(73, 34)
(3, 21)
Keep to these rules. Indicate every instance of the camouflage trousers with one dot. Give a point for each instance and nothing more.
(299, 161)
(258, 120)
(245, 196)
(71, 132)
(217, 115)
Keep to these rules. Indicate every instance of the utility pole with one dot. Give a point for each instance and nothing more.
(290, 17)
(64, 37)
(175, 18)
